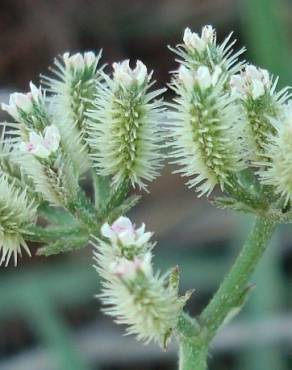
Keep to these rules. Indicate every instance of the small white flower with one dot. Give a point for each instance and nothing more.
(23, 102)
(79, 61)
(52, 138)
(75, 61)
(204, 77)
(201, 76)
(124, 231)
(193, 41)
(36, 92)
(18, 101)
(208, 34)
(42, 146)
(89, 58)
(186, 77)
(126, 76)
(237, 84)
(252, 82)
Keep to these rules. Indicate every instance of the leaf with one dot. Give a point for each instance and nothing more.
(63, 245)
(233, 204)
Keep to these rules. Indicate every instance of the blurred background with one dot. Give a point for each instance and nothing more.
(49, 318)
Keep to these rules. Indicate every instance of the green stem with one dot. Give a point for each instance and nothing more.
(192, 357)
(230, 294)
(195, 336)
(192, 352)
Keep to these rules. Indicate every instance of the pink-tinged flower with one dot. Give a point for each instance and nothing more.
(42, 146)
(23, 102)
(124, 231)
(127, 76)
(128, 269)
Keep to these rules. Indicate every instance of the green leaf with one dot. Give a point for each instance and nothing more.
(63, 245)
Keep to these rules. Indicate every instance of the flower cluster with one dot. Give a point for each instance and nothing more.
(74, 90)
(256, 91)
(202, 49)
(206, 120)
(38, 148)
(28, 109)
(132, 293)
(127, 117)
(226, 118)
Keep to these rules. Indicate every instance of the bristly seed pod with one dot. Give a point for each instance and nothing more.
(74, 90)
(17, 213)
(205, 128)
(132, 293)
(261, 104)
(128, 122)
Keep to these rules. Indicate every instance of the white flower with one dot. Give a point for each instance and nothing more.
(23, 102)
(208, 33)
(252, 82)
(18, 101)
(124, 231)
(193, 41)
(42, 146)
(89, 58)
(186, 77)
(52, 138)
(202, 76)
(79, 61)
(126, 76)
(75, 61)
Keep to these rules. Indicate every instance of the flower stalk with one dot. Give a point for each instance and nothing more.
(227, 301)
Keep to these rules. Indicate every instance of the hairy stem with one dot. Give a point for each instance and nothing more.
(192, 357)
(230, 295)
(226, 302)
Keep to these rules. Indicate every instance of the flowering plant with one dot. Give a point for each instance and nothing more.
(227, 126)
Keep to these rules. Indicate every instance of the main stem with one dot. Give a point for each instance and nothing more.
(228, 299)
